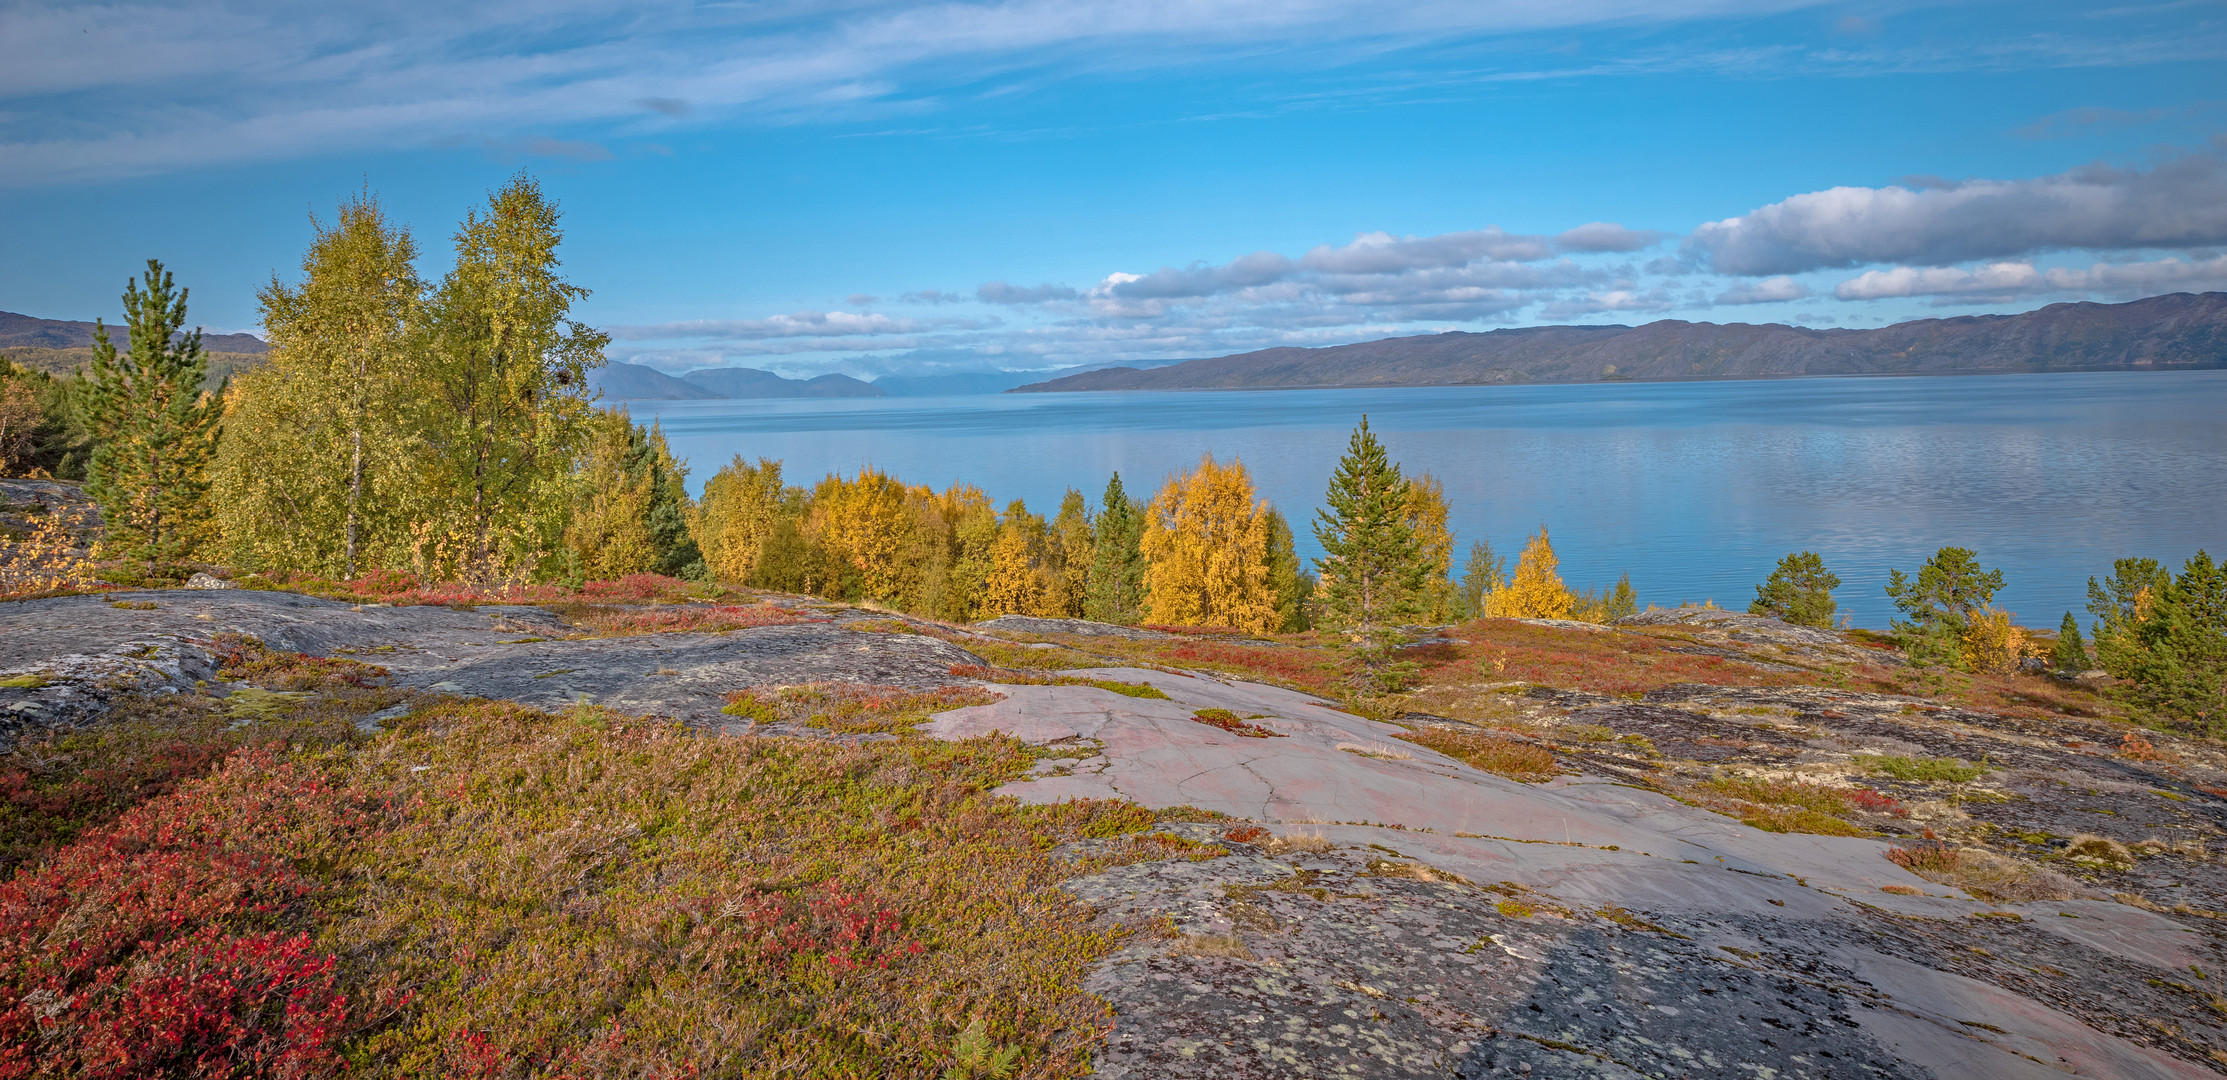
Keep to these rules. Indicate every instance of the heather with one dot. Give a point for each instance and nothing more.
(490, 890)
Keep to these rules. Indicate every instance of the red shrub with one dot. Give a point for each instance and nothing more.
(1866, 799)
(160, 946)
(1247, 834)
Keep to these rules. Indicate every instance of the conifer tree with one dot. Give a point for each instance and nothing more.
(2180, 669)
(2071, 650)
(1293, 586)
(1622, 600)
(1799, 591)
(318, 462)
(505, 382)
(628, 511)
(155, 428)
(1115, 593)
(1939, 604)
(1373, 568)
(2121, 604)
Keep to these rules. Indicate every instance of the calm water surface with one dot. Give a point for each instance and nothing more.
(1695, 489)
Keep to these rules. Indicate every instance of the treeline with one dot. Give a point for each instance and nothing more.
(2164, 634)
(1203, 550)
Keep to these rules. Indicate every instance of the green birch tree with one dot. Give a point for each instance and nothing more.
(504, 376)
(318, 462)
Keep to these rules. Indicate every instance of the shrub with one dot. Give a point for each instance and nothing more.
(1234, 724)
(1924, 769)
(852, 708)
(1492, 753)
(1991, 642)
(1778, 805)
(1984, 874)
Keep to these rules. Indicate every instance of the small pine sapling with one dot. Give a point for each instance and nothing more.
(2071, 652)
(1799, 591)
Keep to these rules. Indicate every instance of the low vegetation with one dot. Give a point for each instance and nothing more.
(485, 889)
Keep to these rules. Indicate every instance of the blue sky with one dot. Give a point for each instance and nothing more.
(876, 187)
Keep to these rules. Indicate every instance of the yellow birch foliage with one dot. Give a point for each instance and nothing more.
(609, 529)
(731, 523)
(1992, 643)
(1434, 541)
(866, 524)
(1206, 541)
(1535, 590)
(46, 559)
(1015, 585)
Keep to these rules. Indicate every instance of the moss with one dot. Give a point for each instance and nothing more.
(1924, 769)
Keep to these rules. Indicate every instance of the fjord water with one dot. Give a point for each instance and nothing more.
(1694, 488)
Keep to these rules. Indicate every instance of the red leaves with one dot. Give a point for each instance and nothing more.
(847, 930)
(1864, 798)
(157, 945)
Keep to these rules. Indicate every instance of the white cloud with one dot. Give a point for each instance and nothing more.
(1608, 236)
(1768, 291)
(803, 324)
(139, 86)
(2178, 204)
(2015, 280)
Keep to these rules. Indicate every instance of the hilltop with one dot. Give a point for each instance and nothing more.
(2181, 330)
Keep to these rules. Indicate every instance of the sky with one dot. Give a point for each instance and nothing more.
(914, 188)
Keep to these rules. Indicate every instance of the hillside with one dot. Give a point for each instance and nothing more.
(32, 332)
(2182, 330)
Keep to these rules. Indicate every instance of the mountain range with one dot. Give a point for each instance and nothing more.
(2180, 330)
(32, 332)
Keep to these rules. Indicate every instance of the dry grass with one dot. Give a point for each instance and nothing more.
(1234, 724)
(1492, 753)
(1982, 873)
(2099, 853)
(1376, 750)
(852, 708)
(1297, 844)
(604, 620)
(1027, 678)
(1782, 806)
(1220, 946)
(587, 893)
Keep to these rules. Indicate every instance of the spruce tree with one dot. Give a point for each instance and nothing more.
(155, 428)
(2180, 667)
(1294, 587)
(2071, 653)
(1799, 591)
(1484, 573)
(1116, 588)
(1373, 568)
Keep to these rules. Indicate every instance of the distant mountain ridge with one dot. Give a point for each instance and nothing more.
(2179, 330)
(636, 382)
(32, 332)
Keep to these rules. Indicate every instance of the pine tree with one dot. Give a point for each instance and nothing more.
(1799, 591)
(1938, 605)
(1115, 593)
(2121, 604)
(155, 427)
(2071, 652)
(318, 462)
(1372, 570)
(504, 380)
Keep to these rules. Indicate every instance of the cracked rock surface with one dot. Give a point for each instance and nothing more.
(1377, 909)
